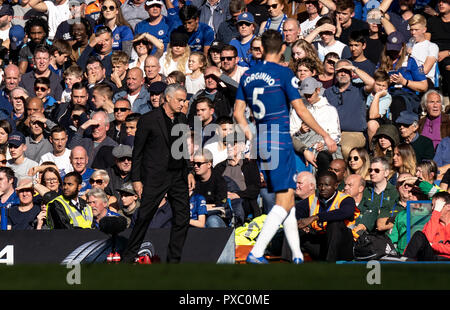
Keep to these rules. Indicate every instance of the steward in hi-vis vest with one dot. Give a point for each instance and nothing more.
(325, 221)
(68, 211)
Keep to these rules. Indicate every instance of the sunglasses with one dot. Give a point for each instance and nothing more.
(37, 88)
(122, 159)
(121, 110)
(210, 76)
(154, 5)
(4, 161)
(331, 62)
(376, 170)
(402, 183)
(344, 71)
(199, 163)
(98, 181)
(143, 42)
(229, 58)
(244, 23)
(256, 49)
(272, 6)
(354, 158)
(110, 8)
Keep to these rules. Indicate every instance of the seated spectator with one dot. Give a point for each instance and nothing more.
(276, 18)
(79, 160)
(129, 202)
(19, 163)
(134, 11)
(8, 196)
(60, 154)
(117, 130)
(301, 49)
(131, 127)
(59, 53)
(111, 16)
(345, 18)
(100, 180)
(326, 29)
(427, 171)
(214, 53)
(227, 29)
(43, 90)
(339, 167)
(72, 75)
(442, 156)
(291, 32)
(256, 51)
(216, 145)
(408, 126)
(349, 102)
(200, 34)
(119, 63)
(142, 45)
(246, 27)
(384, 141)
(378, 103)
(359, 162)
(365, 222)
(68, 211)
(242, 178)
(306, 185)
(100, 46)
(324, 221)
(156, 91)
(423, 51)
(323, 113)
(306, 67)
(37, 31)
(5, 130)
(102, 95)
(229, 60)
(327, 78)
(100, 125)
(379, 192)
(50, 180)
(37, 144)
(198, 212)
(357, 45)
(97, 73)
(403, 161)
(98, 201)
(405, 80)
(19, 97)
(177, 55)
(136, 92)
(196, 80)
(41, 59)
(211, 185)
(435, 124)
(23, 215)
(119, 173)
(77, 14)
(431, 243)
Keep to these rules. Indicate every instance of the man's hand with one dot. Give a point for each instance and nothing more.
(91, 122)
(331, 144)
(310, 158)
(38, 118)
(191, 182)
(233, 196)
(137, 186)
(302, 223)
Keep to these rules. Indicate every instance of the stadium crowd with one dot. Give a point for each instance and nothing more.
(77, 76)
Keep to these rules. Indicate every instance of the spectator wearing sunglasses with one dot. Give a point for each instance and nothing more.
(246, 27)
(117, 130)
(119, 173)
(100, 180)
(380, 192)
(229, 60)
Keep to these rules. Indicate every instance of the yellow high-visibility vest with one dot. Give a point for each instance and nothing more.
(77, 219)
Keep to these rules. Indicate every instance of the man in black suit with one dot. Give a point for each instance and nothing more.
(156, 171)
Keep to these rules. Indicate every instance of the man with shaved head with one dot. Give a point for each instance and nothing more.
(12, 78)
(99, 124)
(136, 93)
(339, 167)
(152, 68)
(306, 185)
(79, 160)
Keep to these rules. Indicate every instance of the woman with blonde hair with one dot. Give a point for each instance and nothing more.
(176, 58)
(277, 17)
(403, 161)
(359, 162)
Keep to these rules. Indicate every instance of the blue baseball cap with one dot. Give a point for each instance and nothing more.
(16, 138)
(16, 36)
(395, 41)
(407, 118)
(245, 17)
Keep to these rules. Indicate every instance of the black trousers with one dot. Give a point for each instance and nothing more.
(419, 248)
(333, 245)
(176, 188)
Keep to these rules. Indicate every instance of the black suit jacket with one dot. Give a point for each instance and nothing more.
(151, 152)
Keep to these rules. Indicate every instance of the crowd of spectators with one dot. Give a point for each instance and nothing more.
(76, 76)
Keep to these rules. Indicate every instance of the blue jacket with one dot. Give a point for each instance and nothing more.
(142, 103)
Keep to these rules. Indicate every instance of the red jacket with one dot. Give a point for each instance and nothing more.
(438, 235)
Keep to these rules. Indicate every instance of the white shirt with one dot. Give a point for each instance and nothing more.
(56, 15)
(194, 85)
(172, 66)
(323, 50)
(239, 72)
(218, 155)
(62, 162)
(325, 115)
(309, 25)
(422, 50)
(4, 34)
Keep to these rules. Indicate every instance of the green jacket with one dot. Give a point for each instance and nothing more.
(385, 199)
(398, 233)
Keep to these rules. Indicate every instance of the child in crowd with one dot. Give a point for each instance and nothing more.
(59, 53)
(119, 62)
(196, 81)
(72, 75)
(43, 90)
(378, 103)
(131, 126)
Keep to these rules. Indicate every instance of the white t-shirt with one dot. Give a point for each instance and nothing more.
(4, 34)
(194, 85)
(323, 50)
(21, 171)
(218, 155)
(309, 25)
(131, 98)
(56, 15)
(422, 50)
(62, 162)
(239, 72)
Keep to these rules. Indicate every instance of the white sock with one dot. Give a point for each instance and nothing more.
(291, 232)
(272, 223)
